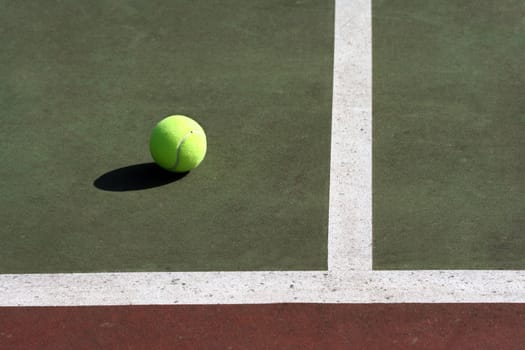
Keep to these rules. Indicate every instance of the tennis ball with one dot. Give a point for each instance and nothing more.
(178, 143)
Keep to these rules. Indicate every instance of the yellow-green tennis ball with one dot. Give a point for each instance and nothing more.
(178, 143)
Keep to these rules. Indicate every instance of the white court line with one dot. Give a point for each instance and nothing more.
(349, 279)
(350, 217)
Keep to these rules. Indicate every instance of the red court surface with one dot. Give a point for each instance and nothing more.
(274, 326)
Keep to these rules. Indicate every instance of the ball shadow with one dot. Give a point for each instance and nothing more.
(136, 177)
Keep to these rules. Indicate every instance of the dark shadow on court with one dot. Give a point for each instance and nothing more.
(136, 177)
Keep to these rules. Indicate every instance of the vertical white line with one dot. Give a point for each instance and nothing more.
(350, 217)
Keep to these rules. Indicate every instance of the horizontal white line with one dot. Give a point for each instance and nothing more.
(262, 287)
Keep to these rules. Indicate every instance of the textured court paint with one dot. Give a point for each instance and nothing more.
(350, 214)
(82, 86)
(254, 287)
(280, 326)
(449, 145)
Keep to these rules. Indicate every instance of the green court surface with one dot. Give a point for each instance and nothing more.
(83, 83)
(449, 134)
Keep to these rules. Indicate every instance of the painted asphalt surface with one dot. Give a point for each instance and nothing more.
(277, 326)
(349, 281)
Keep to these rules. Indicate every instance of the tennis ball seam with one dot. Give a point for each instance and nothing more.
(179, 147)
